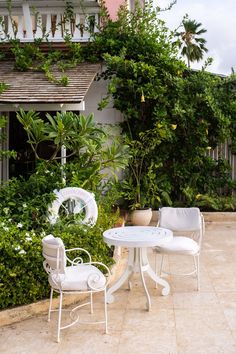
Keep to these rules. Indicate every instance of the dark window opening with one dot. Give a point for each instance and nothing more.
(25, 162)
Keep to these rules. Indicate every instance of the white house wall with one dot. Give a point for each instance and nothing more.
(96, 92)
(109, 117)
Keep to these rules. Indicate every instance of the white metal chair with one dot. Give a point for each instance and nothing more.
(77, 277)
(188, 227)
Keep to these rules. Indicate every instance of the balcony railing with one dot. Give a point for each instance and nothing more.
(49, 20)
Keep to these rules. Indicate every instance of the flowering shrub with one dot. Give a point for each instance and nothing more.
(22, 277)
(151, 86)
(26, 201)
(23, 217)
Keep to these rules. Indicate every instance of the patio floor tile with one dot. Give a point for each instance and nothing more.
(203, 331)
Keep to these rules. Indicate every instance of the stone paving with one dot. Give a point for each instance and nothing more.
(184, 322)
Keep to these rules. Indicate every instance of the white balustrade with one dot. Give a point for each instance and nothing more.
(38, 26)
(10, 28)
(78, 33)
(27, 23)
(20, 29)
(49, 26)
(58, 28)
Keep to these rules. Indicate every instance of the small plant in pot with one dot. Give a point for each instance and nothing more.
(135, 186)
(139, 188)
(136, 192)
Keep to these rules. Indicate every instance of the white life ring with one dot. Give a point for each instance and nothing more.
(83, 199)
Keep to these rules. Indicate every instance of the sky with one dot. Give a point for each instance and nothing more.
(218, 18)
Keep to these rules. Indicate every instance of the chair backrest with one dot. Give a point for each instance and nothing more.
(54, 253)
(181, 219)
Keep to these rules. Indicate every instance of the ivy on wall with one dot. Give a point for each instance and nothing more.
(40, 55)
(3, 87)
(150, 85)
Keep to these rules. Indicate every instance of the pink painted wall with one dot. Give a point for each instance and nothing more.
(113, 6)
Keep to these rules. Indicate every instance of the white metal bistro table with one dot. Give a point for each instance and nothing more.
(137, 239)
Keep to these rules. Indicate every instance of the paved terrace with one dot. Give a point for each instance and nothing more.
(184, 322)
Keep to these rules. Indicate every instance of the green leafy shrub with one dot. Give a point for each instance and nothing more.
(215, 203)
(22, 277)
(85, 236)
(24, 203)
(150, 85)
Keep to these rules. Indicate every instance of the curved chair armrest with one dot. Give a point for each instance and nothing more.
(79, 259)
(107, 276)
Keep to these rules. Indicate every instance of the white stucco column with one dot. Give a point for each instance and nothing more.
(27, 20)
(63, 148)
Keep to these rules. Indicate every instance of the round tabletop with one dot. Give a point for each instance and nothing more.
(137, 236)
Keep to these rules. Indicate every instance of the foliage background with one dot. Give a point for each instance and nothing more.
(152, 87)
(24, 202)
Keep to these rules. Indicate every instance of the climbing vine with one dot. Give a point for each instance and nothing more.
(151, 86)
(3, 87)
(40, 55)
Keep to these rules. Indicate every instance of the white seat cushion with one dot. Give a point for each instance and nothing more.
(179, 245)
(76, 278)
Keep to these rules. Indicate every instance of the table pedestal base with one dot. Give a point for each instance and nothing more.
(138, 263)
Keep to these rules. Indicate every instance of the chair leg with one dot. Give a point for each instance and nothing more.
(105, 310)
(91, 302)
(50, 305)
(198, 273)
(59, 317)
(195, 263)
(197, 270)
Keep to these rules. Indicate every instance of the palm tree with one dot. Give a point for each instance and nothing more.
(192, 46)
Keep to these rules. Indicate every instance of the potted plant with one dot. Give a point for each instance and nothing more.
(139, 189)
(132, 186)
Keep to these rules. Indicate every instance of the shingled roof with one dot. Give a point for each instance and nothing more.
(33, 87)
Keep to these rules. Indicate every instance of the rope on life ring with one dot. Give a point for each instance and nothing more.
(83, 199)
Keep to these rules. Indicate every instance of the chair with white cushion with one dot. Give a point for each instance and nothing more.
(68, 276)
(187, 225)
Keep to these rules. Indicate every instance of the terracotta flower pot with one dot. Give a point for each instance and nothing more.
(141, 217)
